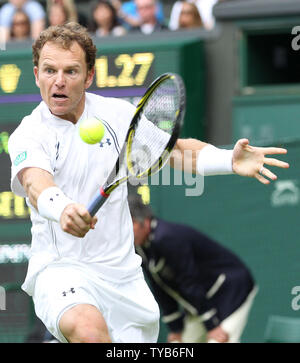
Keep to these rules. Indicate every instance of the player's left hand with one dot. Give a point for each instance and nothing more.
(250, 161)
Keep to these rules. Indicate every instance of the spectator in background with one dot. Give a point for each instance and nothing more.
(70, 9)
(147, 10)
(57, 14)
(20, 28)
(205, 8)
(189, 17)
(204, 290)
(128, 13)
(32, 9)
(105, 20)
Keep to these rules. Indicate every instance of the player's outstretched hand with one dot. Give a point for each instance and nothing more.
(250, 161)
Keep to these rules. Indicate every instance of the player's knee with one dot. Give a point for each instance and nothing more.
(84, 324)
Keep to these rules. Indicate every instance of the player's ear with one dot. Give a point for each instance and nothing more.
(36, 75)
(89, 78)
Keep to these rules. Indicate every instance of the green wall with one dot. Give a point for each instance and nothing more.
(260, 223)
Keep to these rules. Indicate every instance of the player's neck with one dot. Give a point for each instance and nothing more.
(74, 115)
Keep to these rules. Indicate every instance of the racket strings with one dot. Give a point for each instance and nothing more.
(155, 127)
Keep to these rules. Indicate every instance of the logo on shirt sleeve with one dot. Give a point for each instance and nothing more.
(20, 158)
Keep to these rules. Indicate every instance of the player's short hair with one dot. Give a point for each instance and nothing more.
(65, 35)
(139, 211)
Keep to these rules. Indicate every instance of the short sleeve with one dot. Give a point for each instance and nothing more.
(27, 149)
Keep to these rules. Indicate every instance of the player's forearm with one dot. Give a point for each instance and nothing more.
(35, 181)
(43, 194)
(198, 157)
(184, 156)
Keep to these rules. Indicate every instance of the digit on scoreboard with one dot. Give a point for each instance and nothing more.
(124, 70)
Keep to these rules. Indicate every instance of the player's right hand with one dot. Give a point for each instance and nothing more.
(76, 220)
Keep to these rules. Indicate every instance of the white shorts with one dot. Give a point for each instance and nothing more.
(129, 309)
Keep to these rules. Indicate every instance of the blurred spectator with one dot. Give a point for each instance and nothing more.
(69, 8)
(147, 13)
(105, 20)
(57, 14)
(31, 8)
(128, 12)
(189, 16)
(205, 8)
(20, 28)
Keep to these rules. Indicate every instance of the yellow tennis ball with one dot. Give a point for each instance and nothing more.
(91, 130)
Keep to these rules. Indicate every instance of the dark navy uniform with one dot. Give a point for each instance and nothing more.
(191, 273)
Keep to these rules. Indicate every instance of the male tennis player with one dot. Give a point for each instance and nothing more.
(84, 276)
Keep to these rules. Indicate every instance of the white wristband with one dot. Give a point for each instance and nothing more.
(214, 161)
(51, 203)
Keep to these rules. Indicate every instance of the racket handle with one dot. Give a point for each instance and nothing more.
(97, 202)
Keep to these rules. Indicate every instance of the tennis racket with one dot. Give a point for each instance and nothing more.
(151, 135)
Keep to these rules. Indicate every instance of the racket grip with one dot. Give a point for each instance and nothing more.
(97, 202)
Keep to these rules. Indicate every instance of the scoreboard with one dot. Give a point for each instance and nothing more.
(124, 68)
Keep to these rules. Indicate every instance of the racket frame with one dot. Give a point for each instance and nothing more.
(111, 183)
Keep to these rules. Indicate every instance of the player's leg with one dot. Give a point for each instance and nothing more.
(65, 301)
(84, 323)
(132, 312)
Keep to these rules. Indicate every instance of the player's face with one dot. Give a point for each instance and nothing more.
(141, 232)
(62, 77)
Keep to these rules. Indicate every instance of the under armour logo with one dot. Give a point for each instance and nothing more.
(72, 290)
(52, 200)
(108, 142)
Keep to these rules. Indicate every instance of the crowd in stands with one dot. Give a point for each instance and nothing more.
(25, 19)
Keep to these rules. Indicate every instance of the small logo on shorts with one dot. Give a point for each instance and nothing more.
(72, 290)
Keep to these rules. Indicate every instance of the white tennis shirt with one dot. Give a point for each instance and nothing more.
(53, 144)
